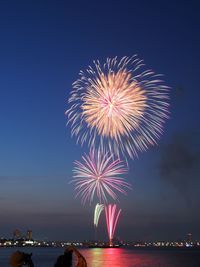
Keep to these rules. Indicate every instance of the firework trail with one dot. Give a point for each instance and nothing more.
(99, 175)
(97, 212)
(119, 105)
(112, 216)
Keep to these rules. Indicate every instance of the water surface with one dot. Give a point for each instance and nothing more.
(112, 257)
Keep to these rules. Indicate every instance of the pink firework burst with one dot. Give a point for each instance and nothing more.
(112, 216)
(99, 175)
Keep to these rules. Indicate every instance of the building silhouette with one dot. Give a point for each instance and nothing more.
(189, 238)
(17, 234)
(29, 235)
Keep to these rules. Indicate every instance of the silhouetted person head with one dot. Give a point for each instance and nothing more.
(65, 260)
(19, 259)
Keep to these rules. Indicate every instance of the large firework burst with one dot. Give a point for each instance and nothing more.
(118, 105)
(99, 175)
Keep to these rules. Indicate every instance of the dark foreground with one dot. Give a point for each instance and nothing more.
(113, 257)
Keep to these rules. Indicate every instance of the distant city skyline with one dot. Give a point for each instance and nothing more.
(19, 240)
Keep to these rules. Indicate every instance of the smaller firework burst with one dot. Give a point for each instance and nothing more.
(97, 212)
(112, 217)
(99, 175)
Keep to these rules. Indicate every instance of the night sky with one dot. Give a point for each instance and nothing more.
(43, 46)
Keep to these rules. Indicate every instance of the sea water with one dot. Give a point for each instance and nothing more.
(112, 257)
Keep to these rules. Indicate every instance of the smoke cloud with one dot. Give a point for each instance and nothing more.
(180, 163)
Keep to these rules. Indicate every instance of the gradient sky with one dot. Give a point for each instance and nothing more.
(43, 46)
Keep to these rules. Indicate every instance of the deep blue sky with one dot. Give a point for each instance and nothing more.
(43, 46)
